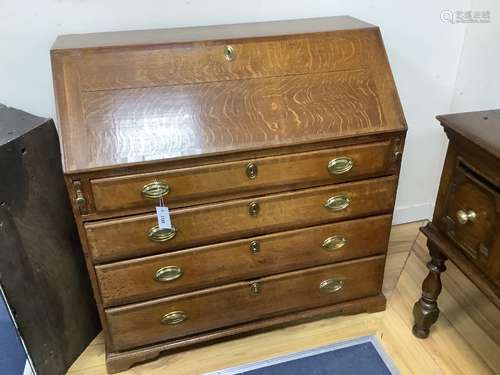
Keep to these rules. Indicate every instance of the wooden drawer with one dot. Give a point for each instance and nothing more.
(213, 182)
(208, 62)
(198, 268)
(131, 236)
(209, 309)
(472, 218)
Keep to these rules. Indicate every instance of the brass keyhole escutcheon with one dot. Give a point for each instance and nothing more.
(253, 208)
(229, 53)
(255, 288)
(251, 171)
(254, 247)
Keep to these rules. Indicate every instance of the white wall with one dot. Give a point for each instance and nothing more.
(424, 53)
(478, 79)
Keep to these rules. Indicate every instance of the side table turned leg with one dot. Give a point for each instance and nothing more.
(426, 310)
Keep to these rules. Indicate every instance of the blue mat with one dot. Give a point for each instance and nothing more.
(12, 357)
(354, 357)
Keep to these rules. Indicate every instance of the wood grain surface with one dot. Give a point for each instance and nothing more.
(124, 238)
(134, 125)
(280, 28)
(136, 325)
(221, 181)
(133, 280)
(150, 102)
(205, 62)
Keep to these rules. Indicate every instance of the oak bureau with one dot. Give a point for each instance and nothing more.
(276, 146)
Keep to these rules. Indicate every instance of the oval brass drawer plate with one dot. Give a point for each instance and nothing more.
(155, 190)
(174, 317)
(340, 165)
(334, 242)
(157, 234)
(330, 286)
(168, 273)
(338, 202)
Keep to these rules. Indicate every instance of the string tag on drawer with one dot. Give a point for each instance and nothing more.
(163, 215)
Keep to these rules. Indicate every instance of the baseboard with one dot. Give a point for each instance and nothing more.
(406, 214)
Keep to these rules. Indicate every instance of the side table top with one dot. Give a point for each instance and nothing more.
(481, 128)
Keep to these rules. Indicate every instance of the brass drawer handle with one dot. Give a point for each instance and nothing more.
(334, 242)
(464, 217)
(253, 208)
(337, 202)
(331, 286)
(157, 234)
(174, 317)
(340, 165)
(155, 190)
(251, 171)
(168, 273)
(255, 288)
(254, 247)
(229, 53)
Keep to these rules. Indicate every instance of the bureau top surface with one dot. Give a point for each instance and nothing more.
(207, 33)
(481, 128)
(135, 97)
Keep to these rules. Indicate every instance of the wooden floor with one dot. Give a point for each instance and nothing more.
(465, 340)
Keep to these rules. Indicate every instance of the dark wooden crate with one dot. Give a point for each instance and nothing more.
(42, 269)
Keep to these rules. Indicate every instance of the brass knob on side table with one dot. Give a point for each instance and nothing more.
(466, 216)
